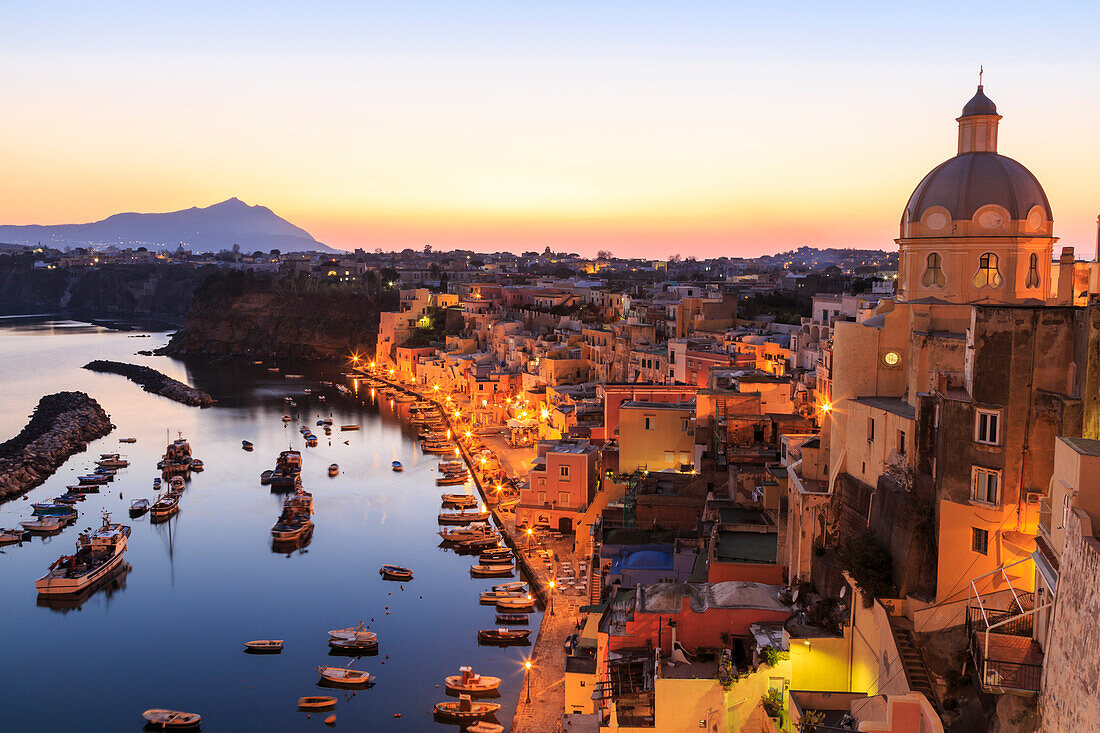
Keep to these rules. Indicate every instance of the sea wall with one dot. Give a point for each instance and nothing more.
(61, 425)
(153, 381)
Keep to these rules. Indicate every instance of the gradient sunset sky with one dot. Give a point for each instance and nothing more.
(706, 128)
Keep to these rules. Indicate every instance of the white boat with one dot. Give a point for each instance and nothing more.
(344, 676)
(165, 506)
(10, 536)
(471, 683)
(138, 507)
(354, 633)
(171, 719)
(484, 726)
(97, 554)
(488, 571)
(516, 585)
(43, 524)
(267, 646)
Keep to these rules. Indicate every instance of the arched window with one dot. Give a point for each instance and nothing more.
(933, 272)
(1032, 279)
(988, 276)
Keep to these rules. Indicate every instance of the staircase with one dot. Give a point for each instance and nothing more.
(915, 671)
(595, 586)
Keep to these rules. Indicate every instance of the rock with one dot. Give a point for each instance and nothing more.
(153, 381)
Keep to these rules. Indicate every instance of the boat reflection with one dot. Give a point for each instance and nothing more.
(110, 585)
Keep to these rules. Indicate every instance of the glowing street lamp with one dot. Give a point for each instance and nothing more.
(530, 536)
(527, 664)
(552, 584)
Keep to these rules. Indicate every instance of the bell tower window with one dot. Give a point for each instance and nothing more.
(933, 272)
(988, 276)
(1032, 280)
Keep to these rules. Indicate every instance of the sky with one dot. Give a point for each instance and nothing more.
(643, 128)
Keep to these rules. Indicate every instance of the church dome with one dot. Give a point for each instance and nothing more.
(969, 181)
(979, 104)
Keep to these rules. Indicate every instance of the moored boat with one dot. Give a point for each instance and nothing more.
(484, 726)
(495, 555)
(514, 585)
(10, 536)
(171, 719)
(97, 554)
(127, 440)
(349, 427)
(316, 702)
(490, 597)
(397, 466)
(462, 517)
(459, 501)
(488, 571)
(49, 509)
(469, 682)
(395, 572)
(502, 635)
(515, 604)
(265, 477)
(197, 465)
(344, 676)
(333, 469)
(513, 618)
(353, 633)
(264, 646)
(465, 709)
(43, 524)
(452, 479)
(138, 507)
(246, 445)
(165, 506)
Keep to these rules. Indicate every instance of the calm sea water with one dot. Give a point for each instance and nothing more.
(168, 633)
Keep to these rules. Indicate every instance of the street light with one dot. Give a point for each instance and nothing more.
(552, 597)
(527, 664)
(530, 535)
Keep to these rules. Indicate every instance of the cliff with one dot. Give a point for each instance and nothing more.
(62, 424)
(252, 315)
(153, 381)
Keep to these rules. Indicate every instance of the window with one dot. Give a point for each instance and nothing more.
(649, 423)
(685, 425)
(984, 485)
(933, 271)
(901, 442)
(987, 427)
(870, 430)
(563, 471)
(1032, 279)
(979, 541)
(563, 498)
(542, 497)
(670, 457)
(988, 276)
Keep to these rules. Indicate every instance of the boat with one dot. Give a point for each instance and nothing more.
(138, 507)
(294, 376)
(246, 445)
(49, 509)
(127, 440)
(112, 461)
(294, 522)
(484, 726)
(333, 469)
(488, 571)
(514, 585)
(197, 465)
(156, 483)
(273, 370)
(503, 635)
(452, 479)
(451, 465)
(465, 709)
(97, 554)
(353, 633)
(477, 531)
(495, 555)
(287, 418)
(515, 604)
(459, 501)
(82, 489)
(349, 427)
(437, 447)
(513, 618)
(176, 485)
(264, 646)
(351, 646)
(397, 466)
(171, 719)
(177, 458)
(462, 517)
(95, 479)
(165, 506)
(395, 572)
(43, 524)
(478, 544)
(344, 676)
(10, 536)
(469, 682)
(316, 702)
(265, 477)
(490, 597)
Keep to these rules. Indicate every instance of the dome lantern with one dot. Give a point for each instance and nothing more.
(978, 125)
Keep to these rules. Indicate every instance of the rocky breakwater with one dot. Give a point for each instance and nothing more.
(62, 424)
(153, 381)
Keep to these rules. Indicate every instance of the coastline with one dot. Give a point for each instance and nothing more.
(153, 381)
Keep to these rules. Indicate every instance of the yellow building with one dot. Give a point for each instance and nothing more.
(654, 436)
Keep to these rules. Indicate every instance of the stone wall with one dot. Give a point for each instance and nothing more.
(1070, 698)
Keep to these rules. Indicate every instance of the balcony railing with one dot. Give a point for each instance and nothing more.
(1002, 675)
(1044, 516)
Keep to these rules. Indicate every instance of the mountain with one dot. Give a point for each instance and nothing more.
(209, 229)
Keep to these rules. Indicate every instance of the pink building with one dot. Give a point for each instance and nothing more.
(561, 483)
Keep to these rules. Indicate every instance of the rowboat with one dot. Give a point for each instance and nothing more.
(290, 529)
(515, 604)
(395, 572)
(246, 445)
(333, 469)
(452, 479)
(139, 507)
(264, 646)
(512, 618)
(462, 517)
(484, 726)
(171, 719)
(316, 702)
(349, 427)
(68, 499)
(353, 633)
(127, 440)
(197, 465)
(459, 501)
(265, 477)
(344, 676)
(43, 524)
(468, 533)
(396, 465)
(165, 506)
(83, 489)
(10, 536)
(514, 585)
(488, 571)
(490, 597)
(352, 646)
(502, 635)
(465, 709)
(471, 683)
(495, 555)
(49, 509)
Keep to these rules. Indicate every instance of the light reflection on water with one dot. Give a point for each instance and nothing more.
(168, 633)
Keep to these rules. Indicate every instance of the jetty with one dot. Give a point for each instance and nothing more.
(61, 425)
(153, 381)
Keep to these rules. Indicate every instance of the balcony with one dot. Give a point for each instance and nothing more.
(999, 626)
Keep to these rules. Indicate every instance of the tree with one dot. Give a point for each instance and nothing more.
(604, 254)
(869, 563)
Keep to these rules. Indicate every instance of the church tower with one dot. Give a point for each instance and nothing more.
(978, 228)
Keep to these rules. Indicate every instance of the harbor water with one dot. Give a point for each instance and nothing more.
(168, 632)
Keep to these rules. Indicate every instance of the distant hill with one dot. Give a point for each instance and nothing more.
(209, 229)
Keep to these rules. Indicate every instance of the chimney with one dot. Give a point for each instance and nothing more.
(1065, 277)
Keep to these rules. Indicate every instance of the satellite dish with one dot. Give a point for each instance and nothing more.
(843, 591)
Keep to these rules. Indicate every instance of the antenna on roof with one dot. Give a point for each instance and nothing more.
(981, 70)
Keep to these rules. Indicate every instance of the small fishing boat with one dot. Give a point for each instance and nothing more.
(10, 536)
(489, 571)
(97, 479)
(290, 529)
(316, 702)
(477, 531)
(351, 646)
(156, 483)
(349, 427)
(490, 597)
(397, 466)
(465, 709)
(469, 682)
(138, 507)
(43, 524)
(69, 499)
(127, 440)
(517, 603)
(273, 370)
(264, 646)
(62, 511)
(333, 469)
(197, 465)
(462, 517)
(484, 726)
(514, 585)
(353, 633)
(165, 506)
(265, 477)
(503, 635)
(171, 719)
(287, 418)
(395, 572)
(459, 501)
(81, 490)
(452, 479)
(246, 445)
(513, 618)
(176, 485)
(344, 676)
(495, 555)
(112, 462)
